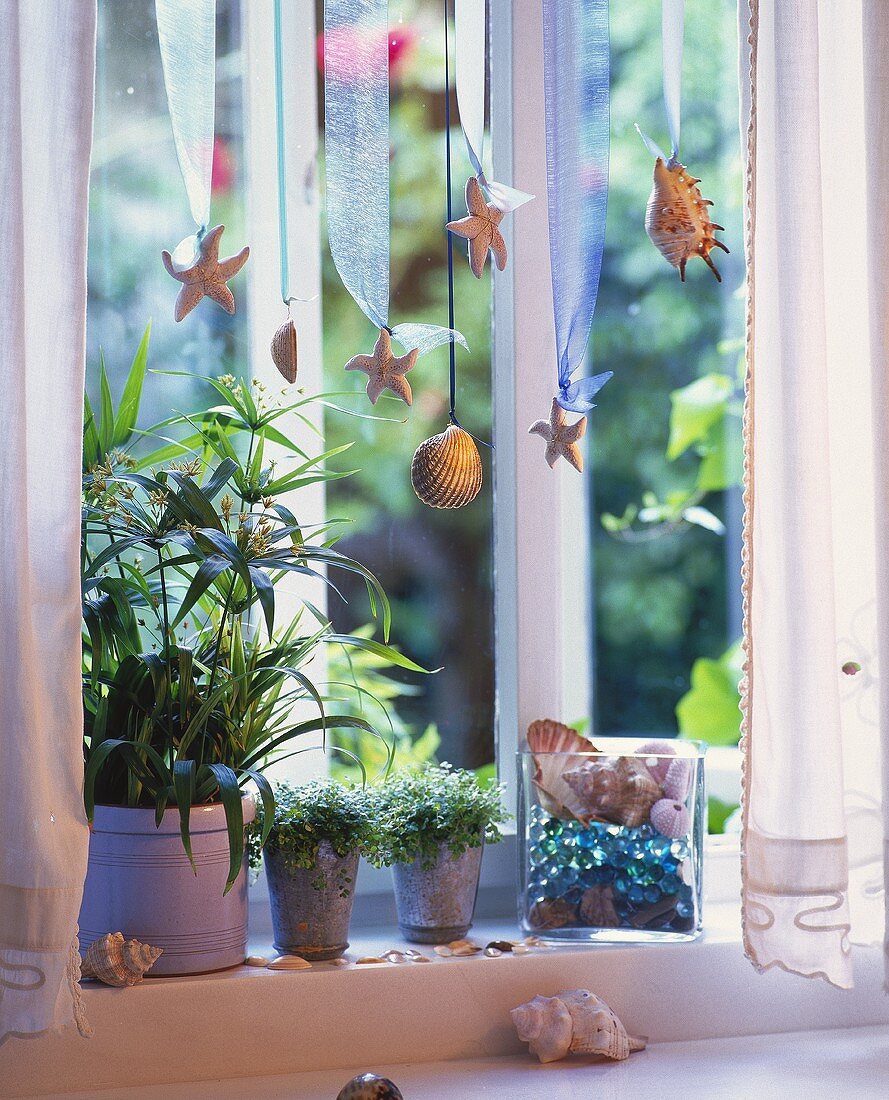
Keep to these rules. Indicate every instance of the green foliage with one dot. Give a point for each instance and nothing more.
(345, 816)
(710, 710)
(718, 813)
(189, 682)
(421, 810)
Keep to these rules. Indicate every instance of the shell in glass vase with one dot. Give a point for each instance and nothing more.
(284, 351)
(118, 962)
(446, 471)
(546, 736)
(614, 789)
(677, 218)
(573, 1022)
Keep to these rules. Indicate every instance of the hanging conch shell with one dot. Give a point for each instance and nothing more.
(573, 1022)
(618, 790)
(116, 961)
(284, 350)
(446, 471)
(557, 798)
(676, 219)
(370, 1086)
(670, 818)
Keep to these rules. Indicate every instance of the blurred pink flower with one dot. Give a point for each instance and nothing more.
(223, 170)
(353, 52)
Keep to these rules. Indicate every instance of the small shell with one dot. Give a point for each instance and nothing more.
(369, 960)
(394, 956)
(118, 962)
(676, 218)
(658, 767)
(420, 959)
(370, 1086)
(493, 952)
(552, 913)
(284, 350)
(521, 949)
(443, 950)
(446, 471)
(289, 962)
(546, 736)
(678, 779)
(464, 947)
(338, 962)
(256, 960)
(596, 907)
(614, 789)
(670, 818)
(573, 1022)
(503, 946)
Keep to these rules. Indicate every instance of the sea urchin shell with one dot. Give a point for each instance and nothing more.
(670, 818)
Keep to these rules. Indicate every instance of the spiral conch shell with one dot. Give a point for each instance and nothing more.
(283, 350)
(446, 471)
(618, 790)
(119, 962)
(573, 1022)
(676, 218)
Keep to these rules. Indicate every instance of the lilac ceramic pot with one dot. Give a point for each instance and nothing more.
(139, 882)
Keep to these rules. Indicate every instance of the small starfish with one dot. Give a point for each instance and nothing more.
(480, 229)
(384, 370)
(207, 276)
(561, 438)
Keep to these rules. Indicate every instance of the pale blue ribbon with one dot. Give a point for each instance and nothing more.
(187, 34)
(356, 145)
(672, 35)
(577, 94)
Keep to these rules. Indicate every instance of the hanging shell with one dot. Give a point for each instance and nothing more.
(446, 471)
(573, 1022)
(671, 818)
(370, 1086)
(676, 218)
(596, 907)
(119, 962)
(614, 789)
(546, 736)
(284, 350)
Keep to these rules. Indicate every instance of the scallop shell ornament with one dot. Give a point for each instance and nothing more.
(446, 471)
(677, 219)
(573, 1022)
(670, 818)
(119, 962)
(617, 790)
(370, 1086)
(546, 736)
(284, 350)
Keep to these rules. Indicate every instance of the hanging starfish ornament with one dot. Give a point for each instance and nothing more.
(561, 438)
(480, 229)
(207, 277)
(384, 370)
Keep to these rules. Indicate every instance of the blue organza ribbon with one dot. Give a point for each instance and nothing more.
(356, 145)
(576, 77)
(672, 34)
(187, 34)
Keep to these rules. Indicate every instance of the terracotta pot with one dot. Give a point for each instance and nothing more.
(139, 882)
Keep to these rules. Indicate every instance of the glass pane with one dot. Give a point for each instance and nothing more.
(665, 502)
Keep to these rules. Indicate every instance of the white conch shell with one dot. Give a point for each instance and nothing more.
(573, 1022)
(119, 962)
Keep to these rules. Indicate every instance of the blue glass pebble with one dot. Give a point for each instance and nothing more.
(685, 909)
(670, 884)
(636, 894)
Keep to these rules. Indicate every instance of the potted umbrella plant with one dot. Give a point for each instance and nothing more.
(435, 822)
(191, 683)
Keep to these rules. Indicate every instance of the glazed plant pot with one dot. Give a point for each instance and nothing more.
(311, 907)
(435, 905)
(139, 882)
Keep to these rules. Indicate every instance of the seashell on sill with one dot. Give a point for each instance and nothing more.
(671, 818)
(284, 351)
(370, 1086)
(547, 736)
(256, 960)
(446, 471)
(659, 749)
(118, 962)
(676, 218)
(616, 789)
(677, 781)
(573, 1022)
(289, 962)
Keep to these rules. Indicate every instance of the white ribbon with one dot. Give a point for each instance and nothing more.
(469, 28)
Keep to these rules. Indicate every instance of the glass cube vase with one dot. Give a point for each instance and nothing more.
(611, 842)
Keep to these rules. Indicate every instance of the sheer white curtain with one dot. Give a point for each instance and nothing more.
(817, 570)
(47, 62)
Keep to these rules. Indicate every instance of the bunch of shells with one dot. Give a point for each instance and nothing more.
(446, 471)
(118, 962)
(573, 1022)
(614, 789)
(284, 350)
(546, 737)
(676, 218)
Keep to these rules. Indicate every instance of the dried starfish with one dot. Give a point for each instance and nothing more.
(207, 277)
(480, 229)
(384, 370)
(561, 438)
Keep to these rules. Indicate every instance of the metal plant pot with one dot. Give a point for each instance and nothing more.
(436, 905)
(311, 907)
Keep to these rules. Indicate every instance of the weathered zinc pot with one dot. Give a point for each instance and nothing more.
(436, 905)
(311, 906)
(139, 882)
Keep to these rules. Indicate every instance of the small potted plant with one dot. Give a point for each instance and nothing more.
(435, 822)
(318, 832)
